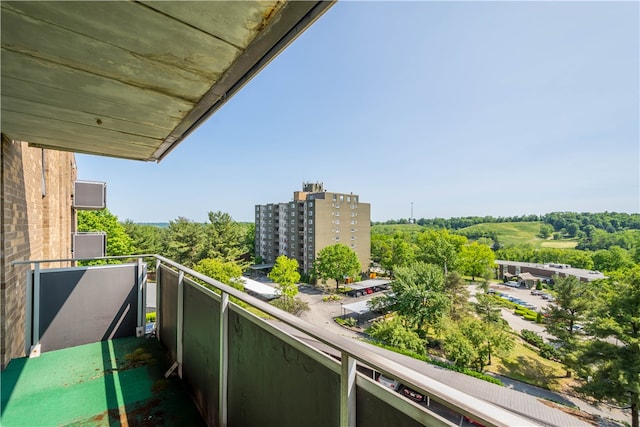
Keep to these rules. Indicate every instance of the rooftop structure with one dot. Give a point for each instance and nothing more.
(545, 271)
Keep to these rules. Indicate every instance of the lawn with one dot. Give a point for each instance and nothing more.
(526, 365)
(559, 244)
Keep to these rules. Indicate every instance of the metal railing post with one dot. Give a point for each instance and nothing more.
(180, 321)
(348, 391)
(140, 282)
(223, 379)
(34, 351)
(158, 298)
(28, 328)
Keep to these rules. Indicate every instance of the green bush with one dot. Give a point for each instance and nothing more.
(549, 352)
(531, 337)
(545, 350)
(331, 298)
(349, 321)
(151, 317)
(291, 305)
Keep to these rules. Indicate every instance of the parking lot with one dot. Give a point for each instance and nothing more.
(535, 302)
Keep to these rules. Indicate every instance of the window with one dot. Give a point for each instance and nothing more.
(310, 256)
(337, 237)
(293, 221)
(310, 213)
(348, 199)
(334, 197)
(337, 221)
(337, 213)
(310, 222)
(341, 198)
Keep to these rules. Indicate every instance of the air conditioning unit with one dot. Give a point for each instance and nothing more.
(89, 245)
(89, 195)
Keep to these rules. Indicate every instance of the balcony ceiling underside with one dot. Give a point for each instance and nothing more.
(133, 79)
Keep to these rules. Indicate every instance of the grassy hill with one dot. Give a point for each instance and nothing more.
(509, 233)
(513, 233)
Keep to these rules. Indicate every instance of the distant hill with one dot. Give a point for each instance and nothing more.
(513, 233)
(156, 224)
(508, 233)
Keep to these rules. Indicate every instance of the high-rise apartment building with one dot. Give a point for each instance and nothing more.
(313, 220)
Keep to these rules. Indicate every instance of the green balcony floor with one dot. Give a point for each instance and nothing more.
(110, 383)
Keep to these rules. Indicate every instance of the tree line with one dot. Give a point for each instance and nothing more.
(567, 222)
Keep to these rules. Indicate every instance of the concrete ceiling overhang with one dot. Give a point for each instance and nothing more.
(133, 79)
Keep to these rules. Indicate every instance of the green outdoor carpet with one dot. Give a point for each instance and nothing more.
(110, 383)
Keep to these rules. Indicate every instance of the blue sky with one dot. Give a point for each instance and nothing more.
(463, 108)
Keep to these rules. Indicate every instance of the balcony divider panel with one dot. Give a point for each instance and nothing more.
(87, 304)
(168, 290)
(201, 348)
(271, 382)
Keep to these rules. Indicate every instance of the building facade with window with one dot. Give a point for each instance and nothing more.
(311, 221)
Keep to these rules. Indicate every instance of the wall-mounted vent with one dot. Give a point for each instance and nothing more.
(90, 195)
(89, 245)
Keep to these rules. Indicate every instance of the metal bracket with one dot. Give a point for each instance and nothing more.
(171, 369)
(34, 351)
(140, 331)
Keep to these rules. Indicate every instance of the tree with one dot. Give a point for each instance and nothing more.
(226, 272)
(145, 239)
(185, 241)
(573, 299)
(440, 247)
(285, 274)
(419, 294)
(336, 262)
(250, 240)
(394, 333)
(225, 239)
(476, 259)
(613, 369)
(488, 309)
(614, 258)
(471, 342)
(118, 241)
(545, 231)
(458, 294)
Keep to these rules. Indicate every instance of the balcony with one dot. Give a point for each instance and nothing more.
(210, 361)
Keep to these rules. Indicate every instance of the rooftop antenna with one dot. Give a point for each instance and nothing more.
(411, 218)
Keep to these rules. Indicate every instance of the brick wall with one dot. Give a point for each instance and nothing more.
(35, 200)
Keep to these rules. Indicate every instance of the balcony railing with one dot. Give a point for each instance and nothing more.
(240, 368)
